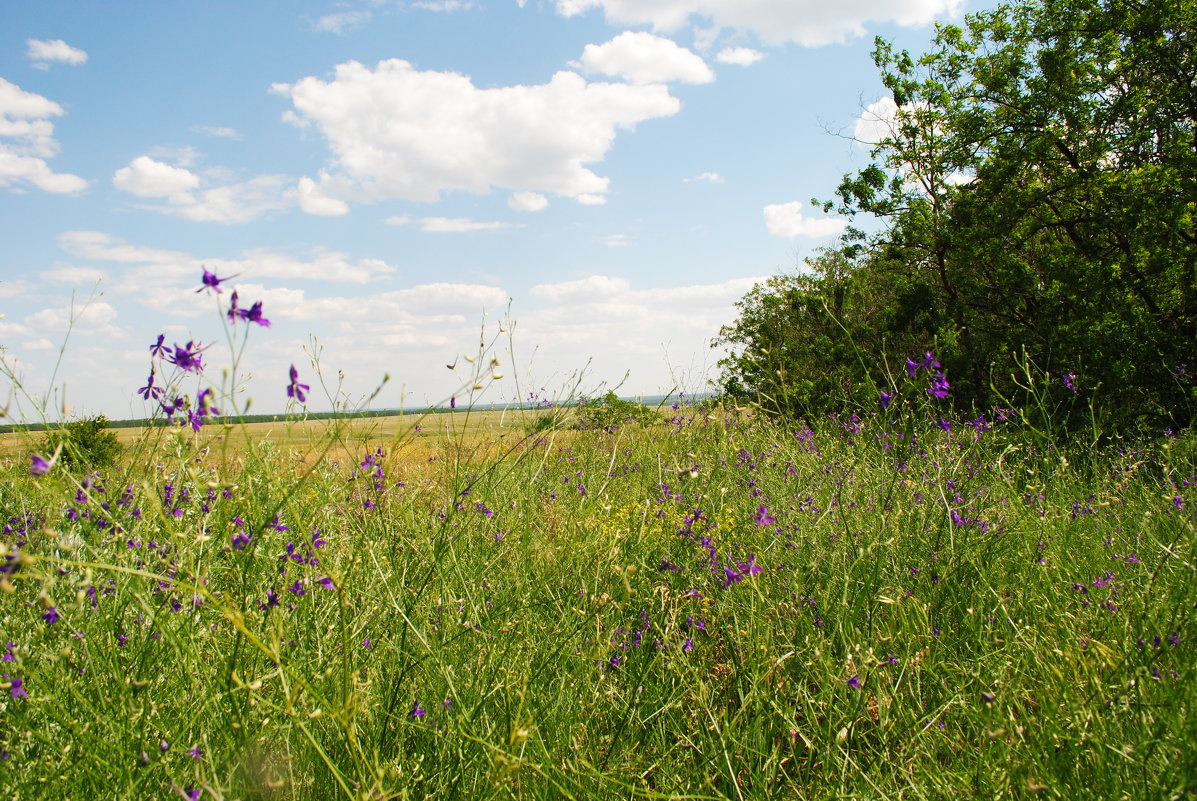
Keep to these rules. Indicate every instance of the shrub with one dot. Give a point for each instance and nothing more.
(84, 443)
(610, 412)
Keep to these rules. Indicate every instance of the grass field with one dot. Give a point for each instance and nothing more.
(716, 606)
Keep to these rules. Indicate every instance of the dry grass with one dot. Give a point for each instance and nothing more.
(421, 436)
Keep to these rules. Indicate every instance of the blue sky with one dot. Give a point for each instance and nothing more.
(592, 182)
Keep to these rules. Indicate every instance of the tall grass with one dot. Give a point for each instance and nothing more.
(890, 604)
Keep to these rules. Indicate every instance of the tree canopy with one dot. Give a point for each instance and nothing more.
(1038, 187)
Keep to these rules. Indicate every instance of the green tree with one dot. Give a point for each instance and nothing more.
(1039, 181)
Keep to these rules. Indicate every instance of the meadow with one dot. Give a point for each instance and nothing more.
(884, 604)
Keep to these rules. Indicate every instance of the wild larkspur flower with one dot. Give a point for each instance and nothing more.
(234, 312)
(40, 466)
(295, 389)
(149, 391)
(210, 281)
(762, 517)
(416, 713)
(939, 386)
(17, 686)
(188, 358)
(854, 682)
(886, 398)
(158, 349)
(51, 616)
(254, 315)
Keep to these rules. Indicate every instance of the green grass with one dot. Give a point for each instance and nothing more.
(549, 601)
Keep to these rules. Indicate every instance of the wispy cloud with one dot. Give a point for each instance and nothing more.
(215, 130)
(740, 56)
(447, 225)
(204, 198)
(42, 53)
(342, 22)
(807, 22)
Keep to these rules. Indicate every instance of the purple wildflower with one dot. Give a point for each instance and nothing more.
(1070, 379)
(234, 310)
(854, 682)
(270, 602)
(149, 390)
(17, 686)
(886, 398)
(254, 315)
(939, 386)
(40, 466)
(188, 358)
(204, 402)
(416, 713)
(51, 616)
(240, 540)
(158, 349)
(762, 517)
(295, 389)
(212, 282)
(327, 583)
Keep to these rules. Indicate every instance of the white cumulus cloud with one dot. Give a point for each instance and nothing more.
(740, 56)
(395, 132)
(313, 201)
(27, 140)
(41, 53)
(641, 57)
(146, 177)
(786, 219)
(708, 177)
(807, 22)
(96, 317)
(876, 122)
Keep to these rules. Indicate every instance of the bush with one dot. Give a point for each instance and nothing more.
(610, 412)
(84, 443)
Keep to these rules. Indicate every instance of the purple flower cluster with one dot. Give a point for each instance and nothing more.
(939, 383)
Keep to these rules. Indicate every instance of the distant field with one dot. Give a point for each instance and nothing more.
(317, 436)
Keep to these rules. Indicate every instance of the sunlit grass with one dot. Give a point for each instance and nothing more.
(581, 614)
